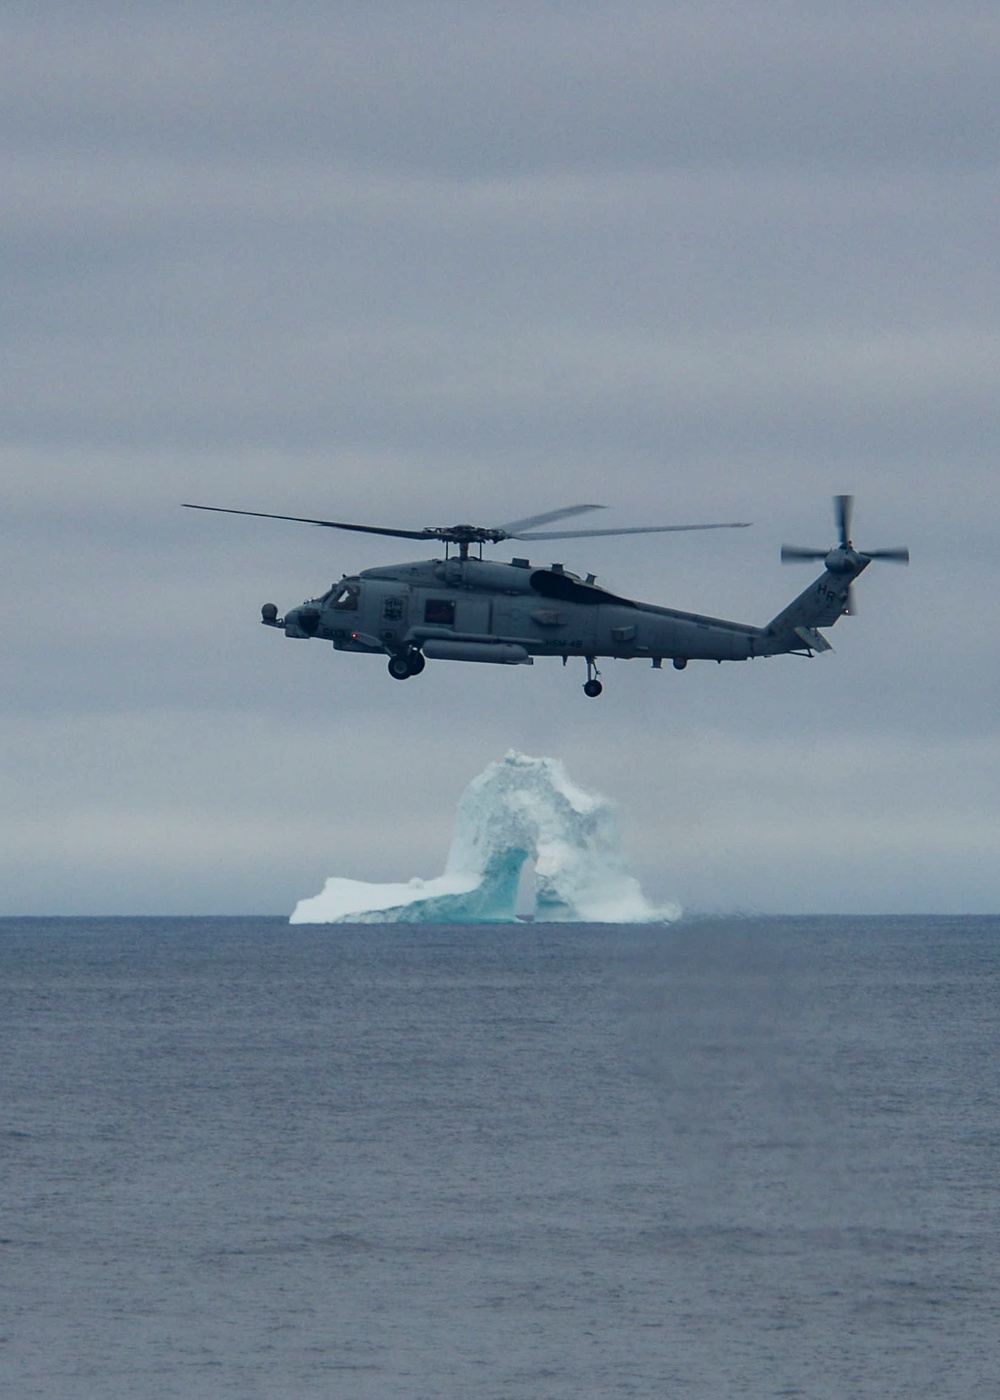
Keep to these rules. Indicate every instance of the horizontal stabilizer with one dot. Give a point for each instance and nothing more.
(814, 640)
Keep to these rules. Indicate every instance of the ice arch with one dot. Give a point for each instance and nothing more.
(518, 809)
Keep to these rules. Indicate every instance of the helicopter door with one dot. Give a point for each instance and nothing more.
(473, 615)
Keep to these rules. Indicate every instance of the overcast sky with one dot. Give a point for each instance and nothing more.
(420, 263)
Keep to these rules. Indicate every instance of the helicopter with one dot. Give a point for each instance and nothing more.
(467, 608)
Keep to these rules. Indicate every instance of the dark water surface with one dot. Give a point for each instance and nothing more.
(728, 1159)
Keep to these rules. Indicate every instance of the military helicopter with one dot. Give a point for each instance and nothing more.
(467, 608)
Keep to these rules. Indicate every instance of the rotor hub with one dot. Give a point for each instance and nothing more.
(466, 534)
(843, 560)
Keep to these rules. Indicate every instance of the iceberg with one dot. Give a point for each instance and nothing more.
(518, 809)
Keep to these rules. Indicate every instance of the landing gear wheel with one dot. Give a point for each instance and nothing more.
(399, 668)
(592, 688)
(415, 662)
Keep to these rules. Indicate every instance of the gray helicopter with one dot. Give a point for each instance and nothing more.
(467, 608)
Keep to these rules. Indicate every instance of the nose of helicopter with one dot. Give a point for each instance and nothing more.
(297, 622)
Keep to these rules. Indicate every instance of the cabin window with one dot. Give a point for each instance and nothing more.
(440, 611)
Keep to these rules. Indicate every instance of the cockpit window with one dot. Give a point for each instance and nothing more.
(345, 598)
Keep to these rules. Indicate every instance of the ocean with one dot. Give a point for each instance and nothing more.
(727, 1158)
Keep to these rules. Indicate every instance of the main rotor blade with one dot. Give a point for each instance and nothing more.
(844, 509)
(305, 520)
(635, 530)
(511, 527)
(893, 556)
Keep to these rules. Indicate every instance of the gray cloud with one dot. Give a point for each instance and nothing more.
(470, 88)
(407, 266)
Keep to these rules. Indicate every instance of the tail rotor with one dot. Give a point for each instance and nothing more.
(844, 558)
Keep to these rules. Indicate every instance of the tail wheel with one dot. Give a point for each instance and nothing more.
(593, 688)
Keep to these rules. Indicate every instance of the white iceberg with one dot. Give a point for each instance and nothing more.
(519, 809)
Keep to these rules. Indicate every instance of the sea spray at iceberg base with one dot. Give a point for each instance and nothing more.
(519, 809)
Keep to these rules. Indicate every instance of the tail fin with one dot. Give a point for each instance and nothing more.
(830, 596)
(794, 629)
